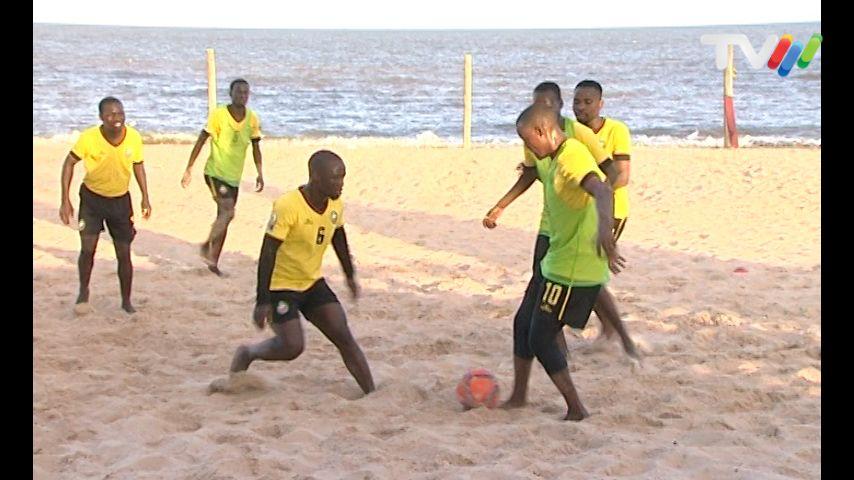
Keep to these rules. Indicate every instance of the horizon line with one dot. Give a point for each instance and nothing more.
(456, 28)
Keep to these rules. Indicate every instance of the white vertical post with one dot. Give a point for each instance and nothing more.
(467, 103)
(211, 80)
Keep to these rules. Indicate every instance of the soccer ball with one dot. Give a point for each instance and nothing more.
(478, 387)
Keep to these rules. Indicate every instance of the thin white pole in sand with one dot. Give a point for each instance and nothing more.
(730, 131)
(467, 104)
(211, 80)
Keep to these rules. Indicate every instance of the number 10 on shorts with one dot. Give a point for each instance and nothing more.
(551, 295)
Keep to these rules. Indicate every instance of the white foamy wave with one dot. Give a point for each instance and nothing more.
(430, 139)
(426, 138)
(694, 140)
(150, 139)
(777, 141)
(154, 138)
(69, 138)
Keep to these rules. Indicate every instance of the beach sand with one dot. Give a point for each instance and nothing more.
(722, 294)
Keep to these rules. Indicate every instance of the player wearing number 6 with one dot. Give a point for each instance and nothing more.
(303, 223)
(580, 204)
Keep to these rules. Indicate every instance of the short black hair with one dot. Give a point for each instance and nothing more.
(322, 157)
(590, 84)
(235, 82)
(538, 115)
(548, 87)
(106, 101)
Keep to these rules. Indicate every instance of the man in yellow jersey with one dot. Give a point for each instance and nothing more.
(109, 152)
(581, 251)
(303, 223)
(548, 94)
(614, 137)
(231, 129)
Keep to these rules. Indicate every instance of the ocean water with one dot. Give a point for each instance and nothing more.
(387, 84)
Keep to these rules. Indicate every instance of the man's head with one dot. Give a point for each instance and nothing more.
(538, 127)
(239, 92)
(326, 173)
(548, 93)
(587, 101)
(112, 113)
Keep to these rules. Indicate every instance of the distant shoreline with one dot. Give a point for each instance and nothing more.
(420, 29)
(433, 141)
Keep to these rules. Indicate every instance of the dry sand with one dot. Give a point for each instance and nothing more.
(731, 386)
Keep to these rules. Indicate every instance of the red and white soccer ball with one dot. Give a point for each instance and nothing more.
(478, 387)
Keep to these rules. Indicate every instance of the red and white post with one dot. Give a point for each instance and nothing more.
(730, 131)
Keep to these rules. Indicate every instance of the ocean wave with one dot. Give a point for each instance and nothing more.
(429, 138)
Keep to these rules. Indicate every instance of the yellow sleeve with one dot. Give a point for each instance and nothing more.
(530, 159)
(281, 220)
(574, 165)
(255, 126)
(585, 135)
(136, 149)
(81, 147)
(622, 140)
(212, 127)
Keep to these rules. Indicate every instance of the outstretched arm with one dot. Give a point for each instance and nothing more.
(523, 183)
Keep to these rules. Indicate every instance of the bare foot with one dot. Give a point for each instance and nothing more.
(128, 308)
(83, 296)
(242, 359)
(216, 270)
(236, 383)
(82, 308)
(512, 403)
(601, 343)
(576, 415)
(635, 361)
(633, 355)
(205, 253)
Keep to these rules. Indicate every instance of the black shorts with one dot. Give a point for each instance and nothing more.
(116, 212)
(288, 303)
(619, 225)
(564, 304)
(221, 190)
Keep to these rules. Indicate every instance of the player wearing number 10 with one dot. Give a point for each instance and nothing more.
(303, 223)
(581, 251)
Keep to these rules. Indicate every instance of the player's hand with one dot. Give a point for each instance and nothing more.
(520, 168)
(261, 314)
(616, 262)
(185, 180)
(355, 290)
(66, 212)
(259, 183)
(146, 208)
(491, 219)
